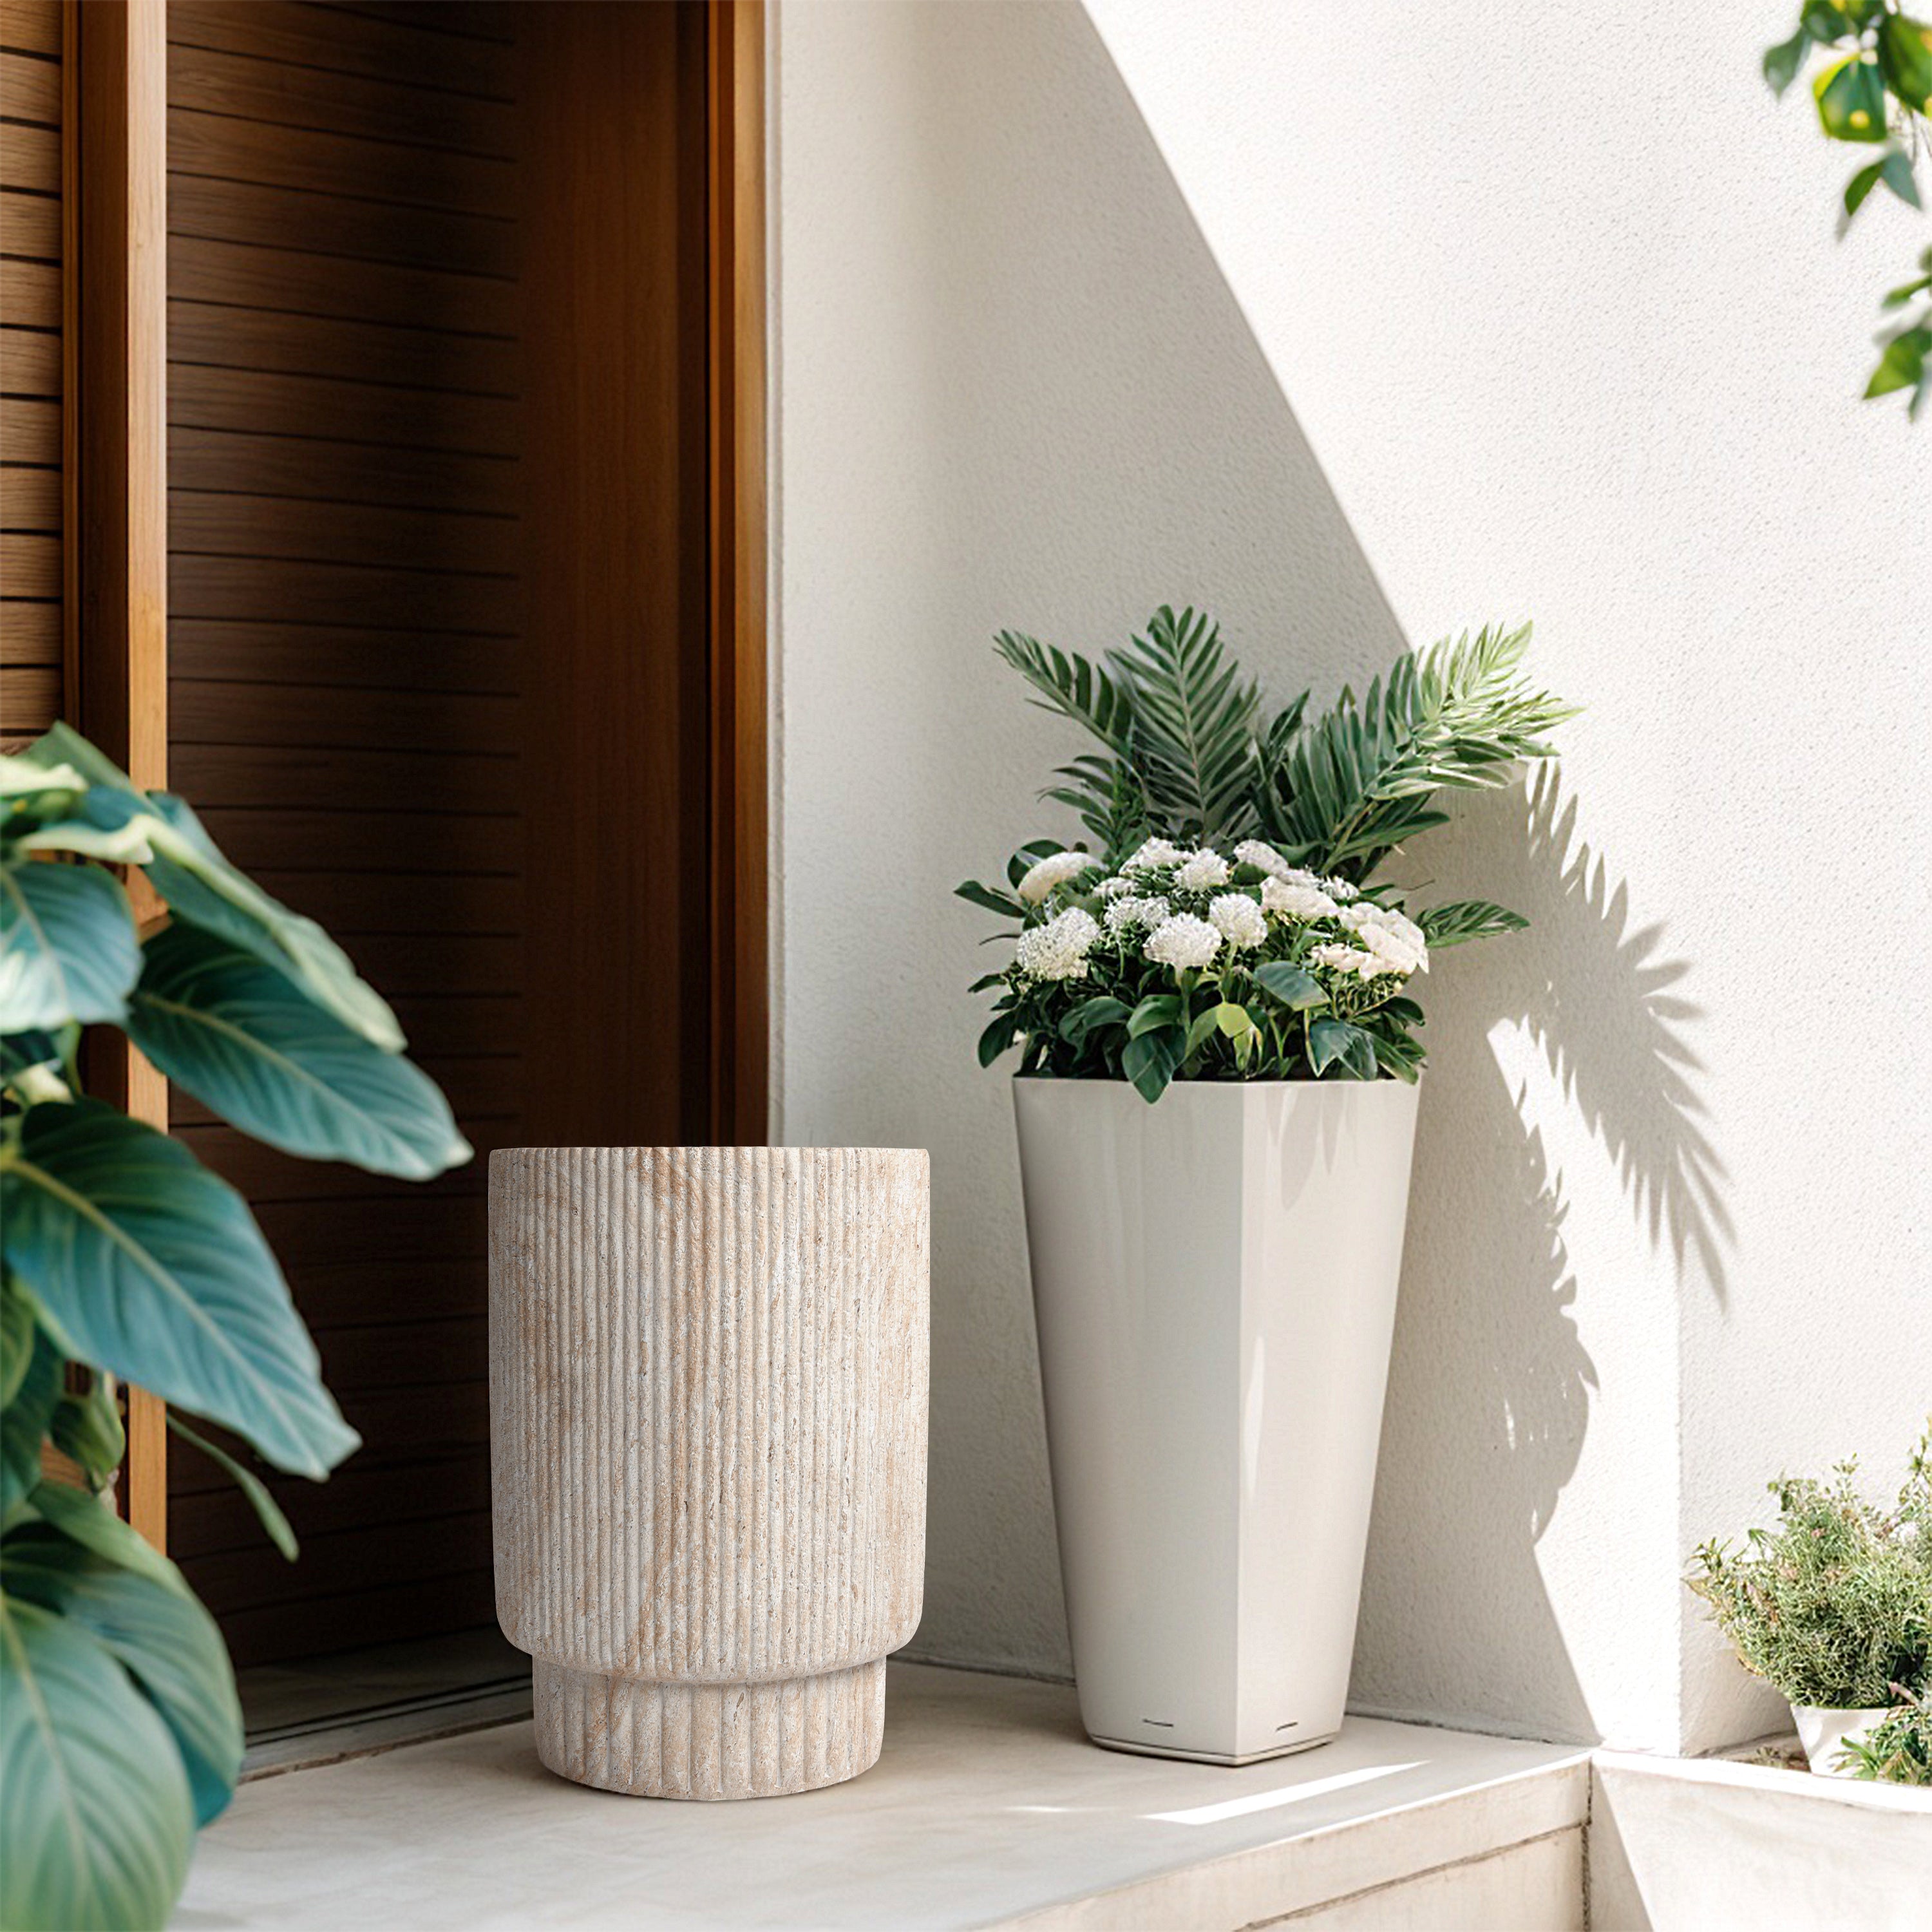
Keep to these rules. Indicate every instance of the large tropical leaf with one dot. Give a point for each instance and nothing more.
(187, 869)
(67, 946)
(28, 1414)
(239, 1036)
(1468, 919)
(1069, 683)
(97, 1821)
(1193, 745)
(156, 1271)
(158, 1632)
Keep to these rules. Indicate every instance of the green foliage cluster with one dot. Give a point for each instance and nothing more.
(1189, 755)
(123, 1259)
(1834, 1607)
(1875, 89)
(1898, 1749)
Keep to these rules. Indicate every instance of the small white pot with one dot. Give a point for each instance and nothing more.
(1824, 1733)
(1214, 1278)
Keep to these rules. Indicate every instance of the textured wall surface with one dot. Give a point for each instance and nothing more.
(708, 1384)
(1362, 326)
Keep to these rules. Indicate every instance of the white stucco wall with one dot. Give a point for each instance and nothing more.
(1359, 326)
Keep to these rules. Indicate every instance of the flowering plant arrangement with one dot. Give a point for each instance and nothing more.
(1227, 924)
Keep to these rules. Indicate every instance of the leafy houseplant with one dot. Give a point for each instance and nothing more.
(1228, 925)
(122, 1259)
(1834, 1607)
(1874, 90)
(1898, 1749)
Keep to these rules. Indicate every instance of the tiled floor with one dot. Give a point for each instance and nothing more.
(988, 1807)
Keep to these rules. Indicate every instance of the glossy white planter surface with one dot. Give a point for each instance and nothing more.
(1214, 1278)
(1824, 1733)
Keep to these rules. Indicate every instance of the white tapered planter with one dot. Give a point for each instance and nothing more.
(1214, 1279)
(1824, 1733)
(708, 1374)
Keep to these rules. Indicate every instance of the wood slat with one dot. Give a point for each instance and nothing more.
(29, 700)
(443, 1026)
(321, 656)
(470, 19)
(315, 1627)
(30, 295)
(345, 473)
(239, 775)
(295, 282)
(30, 566)
(31, 26)
(335, 42)
(30, 634)
(30, 363)
(277, 717)
(407, 1355)
(246, 213)
(30, 432)
(350, 904)
(30, 225)
(399, 111)
(378, 841)
(30, 499)
(261, 589)
(311, 406)
(355, 1559)
(426, 1230)
(30, 88)
(223, 147)
(364, 351)
(214, 524)
(30, 157)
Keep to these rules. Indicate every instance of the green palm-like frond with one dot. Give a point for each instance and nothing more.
(1068, 683)
(1194, 715)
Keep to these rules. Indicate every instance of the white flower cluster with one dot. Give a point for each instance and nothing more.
(1183, 942)
(1058, 950)
(1125, 913)
(1055, 869)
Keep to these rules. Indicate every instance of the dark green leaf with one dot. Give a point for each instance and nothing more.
(157, 1272)
(1021, 862)
(1905, 54)
(986, 980)
(17, 1330)
(997, 1038)
(1850, 94)
(992, 901)
(26, 1417)
(1206, 1025)
(1903, 365)
(68, 950)
(239, 1037)
(86, 1429)
(153, 1625)
(1781, 63)
(1894, 169)
(98, 1819)
(1157, 1009)
(1149, 1061)
(1090, 1014)
(267, 1511)
(1463, 919)
(1293, 985)
(1334, 1042)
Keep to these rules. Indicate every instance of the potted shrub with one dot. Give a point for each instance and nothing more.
(123, 1259)
(1833, 1608)
(1214, 1274)
(1897, 1749)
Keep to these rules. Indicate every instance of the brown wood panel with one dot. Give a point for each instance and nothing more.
(30, 225)
(28, 696)
(30, 295)
(30, 431)
(334, 42)
(30, 499)
(367, 1555)
(219, 146)
(30, 365)
(366, 352)
(30, 565)
(345, 532)
(30, 157)
(261, 589)
(399, 844)
(479, 1087)
(32, 634)
(273, 403)
(313, 1626)
(326, 224)
(469, 19)
(31, 26)
(266, 1174)
(30, 88)
(394, 662)
(345, 473)
(318, 777)
(288, 95)
(319, 716)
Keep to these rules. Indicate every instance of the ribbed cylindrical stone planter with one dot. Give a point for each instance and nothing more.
(708, 1417)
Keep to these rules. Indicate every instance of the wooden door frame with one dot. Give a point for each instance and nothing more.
(115, 154)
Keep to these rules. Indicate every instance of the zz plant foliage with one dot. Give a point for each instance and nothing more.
(1874, 90)
(1226, 921)
(1833, 1608)
(123, 1259)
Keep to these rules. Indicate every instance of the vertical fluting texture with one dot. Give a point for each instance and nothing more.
(708, 1417)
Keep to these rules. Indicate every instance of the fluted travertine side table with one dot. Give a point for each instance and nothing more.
(708, 1417)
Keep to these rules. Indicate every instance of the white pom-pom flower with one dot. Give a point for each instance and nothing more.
(1393, 937)
(1257, 853)
(1183, 942)
(1055, 869)
(1238, 919)
(1354, 959)
(1155, 854)
(1125, 914)
(1058, 950)
(1299, 899)
(1340, 889)
(1201, 871)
